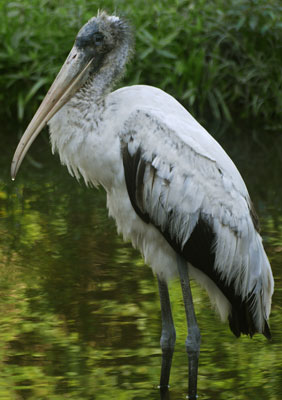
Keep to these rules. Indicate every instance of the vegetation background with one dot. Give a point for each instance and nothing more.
(221, 59)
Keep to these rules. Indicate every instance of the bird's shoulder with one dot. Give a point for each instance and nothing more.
(160, 121)
(178, 138)
(164, 164)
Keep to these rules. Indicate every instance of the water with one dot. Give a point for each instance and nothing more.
(79, 312)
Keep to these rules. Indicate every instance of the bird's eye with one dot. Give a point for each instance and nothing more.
(98, 38)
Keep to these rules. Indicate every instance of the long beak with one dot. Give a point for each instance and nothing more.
(71, 77)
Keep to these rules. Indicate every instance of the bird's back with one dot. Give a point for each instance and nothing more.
(171, 113)
(172, 188)
(181, 181)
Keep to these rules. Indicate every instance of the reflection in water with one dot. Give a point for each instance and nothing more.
(79, 313)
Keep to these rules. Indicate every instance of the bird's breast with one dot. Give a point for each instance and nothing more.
(87, 142)
(156, 251)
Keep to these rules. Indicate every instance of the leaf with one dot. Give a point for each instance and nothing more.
(253, 22)
(146, 53)
(35, 88)
(213, 105)
(145, 36)
(168, 39)
(241, 22)
(20, 106)
(223, 105)
(166, 53)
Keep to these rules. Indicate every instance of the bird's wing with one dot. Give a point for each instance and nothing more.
(194, 201)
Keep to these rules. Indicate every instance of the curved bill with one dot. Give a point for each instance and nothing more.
(71, 77)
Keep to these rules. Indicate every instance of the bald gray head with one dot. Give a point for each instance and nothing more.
(102, 35)
(103, 30)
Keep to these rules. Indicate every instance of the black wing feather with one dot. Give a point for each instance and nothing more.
(198, 249)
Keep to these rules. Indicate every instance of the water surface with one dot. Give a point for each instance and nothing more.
(79, 311)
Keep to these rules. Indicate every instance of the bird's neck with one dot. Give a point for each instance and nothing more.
(76, 131)
(102, 83)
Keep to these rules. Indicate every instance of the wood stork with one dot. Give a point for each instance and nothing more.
(170, 186)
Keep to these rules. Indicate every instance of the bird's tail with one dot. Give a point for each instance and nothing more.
(242, 319)
(248, 281)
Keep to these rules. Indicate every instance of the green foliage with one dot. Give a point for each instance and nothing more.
(221, 59)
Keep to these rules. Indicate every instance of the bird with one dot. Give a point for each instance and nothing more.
(171, 188)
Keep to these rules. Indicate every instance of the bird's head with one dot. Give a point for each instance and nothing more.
(93, 46)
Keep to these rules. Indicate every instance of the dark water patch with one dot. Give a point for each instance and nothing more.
(79, 312)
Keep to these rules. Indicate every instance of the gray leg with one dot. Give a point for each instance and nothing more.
(168, 335)
(194, 338)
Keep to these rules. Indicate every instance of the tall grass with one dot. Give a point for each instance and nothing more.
(221, 59)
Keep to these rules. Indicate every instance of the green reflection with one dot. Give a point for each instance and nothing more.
(79, 313)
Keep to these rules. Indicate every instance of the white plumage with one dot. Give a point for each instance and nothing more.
(171, 188)
(203, 179)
